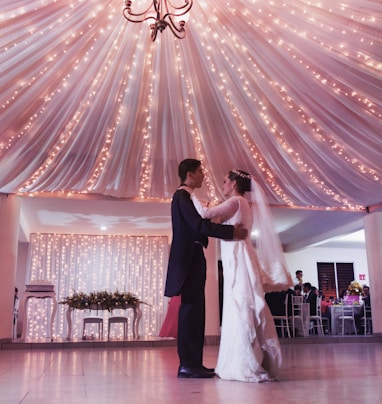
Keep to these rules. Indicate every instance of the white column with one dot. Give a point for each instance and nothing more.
(373, 237)
(9, 225)
(212, 289)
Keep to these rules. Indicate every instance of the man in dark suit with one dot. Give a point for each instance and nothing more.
(310, 297)
(186, 273)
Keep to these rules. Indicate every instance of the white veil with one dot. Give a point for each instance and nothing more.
(274, 272)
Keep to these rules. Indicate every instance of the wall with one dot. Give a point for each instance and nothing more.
(306, 260)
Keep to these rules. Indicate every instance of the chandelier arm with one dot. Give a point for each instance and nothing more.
(174, 14)
(187, 2)
(180, 33)
(174, 28)
(154, 32)
(128, 4)
(129, 15)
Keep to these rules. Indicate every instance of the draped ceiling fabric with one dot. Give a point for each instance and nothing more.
(287, 90)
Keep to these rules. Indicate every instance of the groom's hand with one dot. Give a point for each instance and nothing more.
(240, 232)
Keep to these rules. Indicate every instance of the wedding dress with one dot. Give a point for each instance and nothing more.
(249, 346)
(170, 324)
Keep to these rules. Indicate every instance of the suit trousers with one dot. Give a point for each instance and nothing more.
(191, 321)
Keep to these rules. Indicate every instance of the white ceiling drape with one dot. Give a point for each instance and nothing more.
(287, 90)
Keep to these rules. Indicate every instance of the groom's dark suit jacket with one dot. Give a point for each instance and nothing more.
(190, 231)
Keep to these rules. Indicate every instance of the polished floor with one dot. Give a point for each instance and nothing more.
(313, 372)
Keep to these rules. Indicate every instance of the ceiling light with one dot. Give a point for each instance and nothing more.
(161, 14)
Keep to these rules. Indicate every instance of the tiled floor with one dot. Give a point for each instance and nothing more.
(312, 373)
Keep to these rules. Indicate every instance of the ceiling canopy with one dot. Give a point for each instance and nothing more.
(289, 91)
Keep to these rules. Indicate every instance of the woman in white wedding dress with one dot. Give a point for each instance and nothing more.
(249, 347)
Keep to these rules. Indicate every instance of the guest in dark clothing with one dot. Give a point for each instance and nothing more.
(276, 303)
(298, 290)
(366, 296)
(360, 316)
(325, 312)
(310, 297)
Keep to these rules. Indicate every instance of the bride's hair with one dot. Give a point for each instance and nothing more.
(243, 180)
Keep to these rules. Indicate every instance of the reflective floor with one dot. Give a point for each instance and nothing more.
(312, 373)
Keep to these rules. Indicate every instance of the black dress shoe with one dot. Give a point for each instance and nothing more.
(196, 373)
(208, 369)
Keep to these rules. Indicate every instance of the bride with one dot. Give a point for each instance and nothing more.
(249, 347)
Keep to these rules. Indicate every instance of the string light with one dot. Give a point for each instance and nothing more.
(298, 31)
(135, 264)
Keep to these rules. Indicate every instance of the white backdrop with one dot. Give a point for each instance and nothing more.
(85, 263)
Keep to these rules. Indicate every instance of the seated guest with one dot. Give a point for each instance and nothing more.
(310, 297)
(359, 316)
(276, 303)
(297, 290)
(366, 296)
(343, 294)
(325, 311)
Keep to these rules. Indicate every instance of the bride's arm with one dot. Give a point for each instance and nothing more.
(225, 210)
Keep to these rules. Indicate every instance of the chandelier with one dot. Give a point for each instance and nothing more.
(161, 14)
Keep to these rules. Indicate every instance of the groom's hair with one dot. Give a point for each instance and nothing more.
(187, 165)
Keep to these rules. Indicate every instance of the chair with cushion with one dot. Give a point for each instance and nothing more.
(93, 319)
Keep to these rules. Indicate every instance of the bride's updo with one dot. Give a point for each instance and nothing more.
(243, 180)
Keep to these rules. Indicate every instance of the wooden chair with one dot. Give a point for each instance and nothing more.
(282, 322)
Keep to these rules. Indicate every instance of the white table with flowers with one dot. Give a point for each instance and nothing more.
(99, 301)
(336, 310)
(353, 298)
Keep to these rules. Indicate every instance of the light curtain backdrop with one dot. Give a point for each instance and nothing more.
(86, 263)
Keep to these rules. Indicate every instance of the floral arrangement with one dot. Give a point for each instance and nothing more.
(102, 300)
(355, 289)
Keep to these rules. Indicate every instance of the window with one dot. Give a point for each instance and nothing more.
(334, 277)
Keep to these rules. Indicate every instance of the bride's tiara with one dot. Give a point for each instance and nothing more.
(242, 175)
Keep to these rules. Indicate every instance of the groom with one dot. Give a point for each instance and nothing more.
(186, 273)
